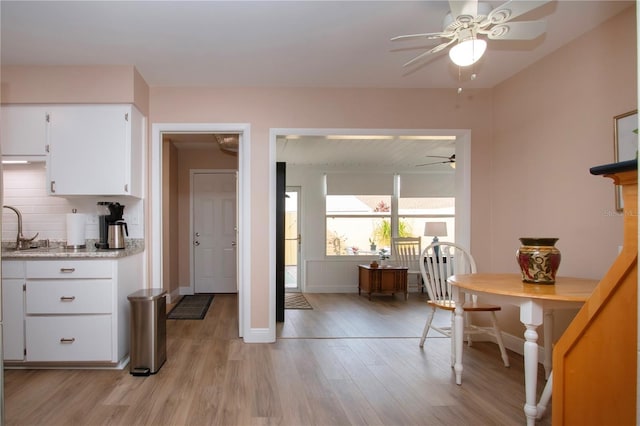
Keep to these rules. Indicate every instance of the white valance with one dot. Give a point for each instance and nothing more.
(359, 184)
(435, 184)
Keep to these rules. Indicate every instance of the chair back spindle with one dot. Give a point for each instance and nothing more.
(438, 262)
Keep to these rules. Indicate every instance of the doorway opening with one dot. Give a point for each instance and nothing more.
(356, 160)
(166, 158)
(293, 240)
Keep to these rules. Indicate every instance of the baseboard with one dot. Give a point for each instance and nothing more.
(331, 289)
(343, 289)
(260, 335)
(173, 296)
(185, 291)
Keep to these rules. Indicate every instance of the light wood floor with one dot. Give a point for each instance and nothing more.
(212, 378)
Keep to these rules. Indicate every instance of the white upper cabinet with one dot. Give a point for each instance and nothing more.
(95, 150)
(23, 132)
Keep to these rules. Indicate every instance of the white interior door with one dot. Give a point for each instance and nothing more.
(214, 232)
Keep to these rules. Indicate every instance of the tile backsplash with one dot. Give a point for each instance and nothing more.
(24, 187)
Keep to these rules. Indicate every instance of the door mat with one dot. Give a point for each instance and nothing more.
(191, 307)
(296, 301)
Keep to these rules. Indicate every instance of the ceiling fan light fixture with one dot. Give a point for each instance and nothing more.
(228, 143)
(468, 51)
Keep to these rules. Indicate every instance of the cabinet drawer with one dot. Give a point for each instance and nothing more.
(69, 297)
(70, 269)
(69, 338)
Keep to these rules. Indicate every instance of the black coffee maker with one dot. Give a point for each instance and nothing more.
(109, 213)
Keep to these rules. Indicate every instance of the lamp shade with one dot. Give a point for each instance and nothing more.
(435, 229)
(468, 51)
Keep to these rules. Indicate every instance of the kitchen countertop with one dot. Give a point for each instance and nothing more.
(55, 251)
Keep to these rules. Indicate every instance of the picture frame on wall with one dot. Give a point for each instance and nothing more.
(625, 144)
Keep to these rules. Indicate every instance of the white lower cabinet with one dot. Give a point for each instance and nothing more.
(74, 311)
(13, 279)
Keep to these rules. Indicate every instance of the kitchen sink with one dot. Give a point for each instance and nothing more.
(37, 249)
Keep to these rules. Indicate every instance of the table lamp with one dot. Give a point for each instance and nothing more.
(435, 230)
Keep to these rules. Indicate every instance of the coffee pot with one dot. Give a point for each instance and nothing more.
(116, 234)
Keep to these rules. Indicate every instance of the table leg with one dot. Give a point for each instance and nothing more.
(548, 342)
(458, 332)
(531, 316)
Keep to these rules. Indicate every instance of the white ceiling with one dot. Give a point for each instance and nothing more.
(272, 43)
(282, 44)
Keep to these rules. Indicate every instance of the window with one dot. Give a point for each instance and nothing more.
(363, 224)
(413, 213)
(358, 224)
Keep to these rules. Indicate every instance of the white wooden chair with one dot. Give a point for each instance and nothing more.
(438, 262)
(407, 253)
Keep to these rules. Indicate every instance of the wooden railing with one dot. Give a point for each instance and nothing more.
(595, 360)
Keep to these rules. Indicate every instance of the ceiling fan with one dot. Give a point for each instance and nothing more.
(468, 19)
(228, 143)
(446, 160)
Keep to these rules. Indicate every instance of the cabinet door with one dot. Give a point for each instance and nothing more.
(89, 151)
(13, 319)
(23, 131)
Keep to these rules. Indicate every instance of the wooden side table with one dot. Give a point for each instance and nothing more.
(383, 280)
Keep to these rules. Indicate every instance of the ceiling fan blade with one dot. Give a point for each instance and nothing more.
(429, 36)
(517, 30)
(463, 7)
(451, 159)
(512, 9)
(431, 164)
(429, 52)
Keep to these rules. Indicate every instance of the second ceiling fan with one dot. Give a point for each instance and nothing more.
(468, 19)
(445, 160)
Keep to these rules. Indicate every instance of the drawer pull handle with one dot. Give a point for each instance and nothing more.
(67, 340)
(67, 298)
(67, 270)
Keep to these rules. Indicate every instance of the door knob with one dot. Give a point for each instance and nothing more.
(197, 234)
(196, 243)
(233, 243)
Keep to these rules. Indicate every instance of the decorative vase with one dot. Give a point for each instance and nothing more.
(372, 247)
(538, 259)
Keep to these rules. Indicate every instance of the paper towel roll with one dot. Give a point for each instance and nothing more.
(76, 230)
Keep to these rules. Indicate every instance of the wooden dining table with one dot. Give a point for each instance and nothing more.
(536, 303)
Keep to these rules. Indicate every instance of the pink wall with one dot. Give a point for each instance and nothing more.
(328, 108)
(170, 196)
(75, 84)
(552, 122)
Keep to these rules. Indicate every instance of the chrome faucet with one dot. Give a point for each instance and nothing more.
(21, 242)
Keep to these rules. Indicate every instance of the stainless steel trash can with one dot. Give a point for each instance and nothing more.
(148, 348)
